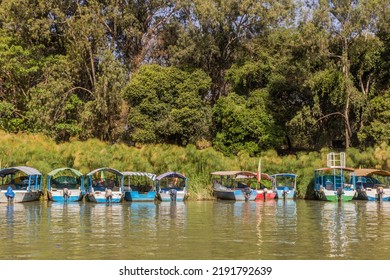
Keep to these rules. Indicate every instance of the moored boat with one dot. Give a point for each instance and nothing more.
(266, 190)
(335, 182)
(171, 186)
(139, 186)
(372, 184)
(285, 185)
(65, 185)
(234, 185)
(105, 185)
(20, 184)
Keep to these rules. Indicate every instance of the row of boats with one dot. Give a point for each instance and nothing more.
(332, 183)
(102, 185)
(335, 183)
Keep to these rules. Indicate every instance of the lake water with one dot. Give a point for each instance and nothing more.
(196, 230)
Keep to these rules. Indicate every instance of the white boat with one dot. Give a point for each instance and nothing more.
(65, 185)
(171, 186)
(105, 185)
(372, 184)
(20, 184)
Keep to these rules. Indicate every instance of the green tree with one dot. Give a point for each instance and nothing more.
(212, 34)
(244, 124)
(376, 128)
(166, 106)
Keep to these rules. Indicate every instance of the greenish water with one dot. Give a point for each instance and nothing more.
(272, 230)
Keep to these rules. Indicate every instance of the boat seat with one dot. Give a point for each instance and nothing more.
(329, 186)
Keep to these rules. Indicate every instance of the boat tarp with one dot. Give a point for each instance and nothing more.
(105, 169)
(170, 175)
(366, 172)
(151, 176)
(30, 171)
(58, 170)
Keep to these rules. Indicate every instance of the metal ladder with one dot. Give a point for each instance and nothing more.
(336, 159)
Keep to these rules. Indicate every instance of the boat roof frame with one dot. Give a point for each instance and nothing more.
(29, 171)
(58, 170)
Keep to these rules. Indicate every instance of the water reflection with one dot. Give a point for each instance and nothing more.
(338, 222)
(274, 229)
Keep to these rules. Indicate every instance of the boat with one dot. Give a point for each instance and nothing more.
(372, 184)
(105, 185)
(20, 184)
(285, 185)
(234, 185)
(65, 185)
(335, 182)
(139, 186)
(171, 186)
(266, 192)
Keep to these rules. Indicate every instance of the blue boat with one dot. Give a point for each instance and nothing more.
(171, 186)
(372, 184)
(139, 186)
(105, 185)
(285, 185)
(20, 184)
(65, 185)
(234, 185)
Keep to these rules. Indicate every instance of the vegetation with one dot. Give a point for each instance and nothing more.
(194, 86)
(239, 76)
(43, 153)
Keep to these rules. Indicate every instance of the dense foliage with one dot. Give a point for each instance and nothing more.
(241, 76)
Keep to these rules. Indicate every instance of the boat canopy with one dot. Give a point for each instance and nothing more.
(289, 175)
(241, 174)
(58, 170)
(170, 175)
(151, 176)
(105, 169)
(336, 167)
(30, 171)
(366, 172)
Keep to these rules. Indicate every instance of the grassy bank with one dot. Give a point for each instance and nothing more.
(45, 155)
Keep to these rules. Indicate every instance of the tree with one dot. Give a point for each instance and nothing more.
(213, 33)
(244, 124)
(166, 106)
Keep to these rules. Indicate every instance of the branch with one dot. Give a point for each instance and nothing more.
(333, 114)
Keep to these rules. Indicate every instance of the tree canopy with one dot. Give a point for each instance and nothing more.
(238, 75)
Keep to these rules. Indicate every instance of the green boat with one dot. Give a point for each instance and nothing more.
(335, 182)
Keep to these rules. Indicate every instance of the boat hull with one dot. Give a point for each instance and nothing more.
(237, 195)
(283, 194)
(331, 195)
(20, 196)
(372, 195)
(265, 195)
(100, 197)
(58, 196)
(143, 197)
(165, 196)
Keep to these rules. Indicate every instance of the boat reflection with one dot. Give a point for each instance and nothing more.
(338, 227)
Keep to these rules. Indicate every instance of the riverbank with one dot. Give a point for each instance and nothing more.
(44, 154)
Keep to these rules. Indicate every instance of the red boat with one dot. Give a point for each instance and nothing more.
(264, 193)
